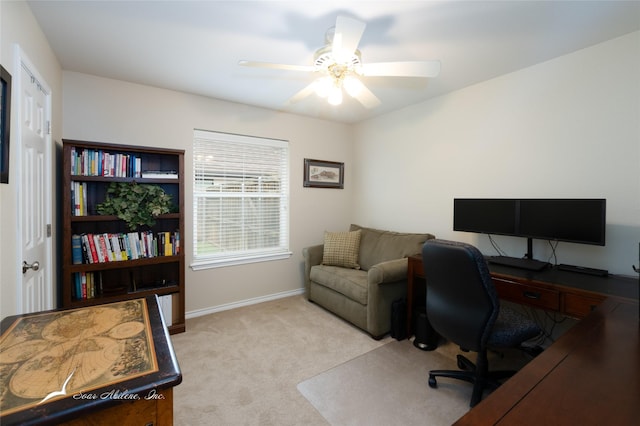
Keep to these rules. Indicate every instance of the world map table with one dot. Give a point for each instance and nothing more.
(63, 362)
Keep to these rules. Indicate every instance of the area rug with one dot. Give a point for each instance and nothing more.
(388, 386)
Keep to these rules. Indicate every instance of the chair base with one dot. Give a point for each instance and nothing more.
(469, 372)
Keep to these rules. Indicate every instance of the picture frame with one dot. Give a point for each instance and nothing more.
(323, 174)
(5, 123)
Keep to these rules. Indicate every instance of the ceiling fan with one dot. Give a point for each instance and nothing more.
(339, 66)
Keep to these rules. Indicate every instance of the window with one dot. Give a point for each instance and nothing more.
(241, 199)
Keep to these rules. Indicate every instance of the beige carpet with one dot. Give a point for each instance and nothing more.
(388, 386)
(290, 362)
(242, 366)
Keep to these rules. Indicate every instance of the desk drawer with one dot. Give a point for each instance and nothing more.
(524, 294)
(579, 305)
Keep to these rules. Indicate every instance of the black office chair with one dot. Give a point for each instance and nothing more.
(463, 307)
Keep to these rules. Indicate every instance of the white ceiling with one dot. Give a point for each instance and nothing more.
(194, 46)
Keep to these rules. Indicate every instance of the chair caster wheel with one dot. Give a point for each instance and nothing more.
(432, 382)
(464, 364)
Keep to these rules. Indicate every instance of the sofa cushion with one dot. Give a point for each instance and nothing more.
(341, 249)
(379, 246)
(352, 283)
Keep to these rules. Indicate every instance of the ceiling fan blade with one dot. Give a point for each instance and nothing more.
(402, 69)
(367, 98)
(307, 91)
(276, 66)
(346, 38)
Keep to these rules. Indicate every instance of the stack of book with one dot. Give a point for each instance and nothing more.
(79, 198)
(160, 174)
(100, 248)
(90, 162)
(87, 285)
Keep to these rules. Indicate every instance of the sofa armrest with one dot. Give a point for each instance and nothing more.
(312, 256)
(389, 271)
(387, 282)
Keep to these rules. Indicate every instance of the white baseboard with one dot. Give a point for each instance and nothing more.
(247, 302)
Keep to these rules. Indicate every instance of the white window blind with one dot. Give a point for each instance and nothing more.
(241, 199)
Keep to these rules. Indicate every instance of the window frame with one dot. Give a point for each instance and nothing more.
(244, 256)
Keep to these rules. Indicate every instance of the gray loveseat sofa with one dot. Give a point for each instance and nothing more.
(359, 273)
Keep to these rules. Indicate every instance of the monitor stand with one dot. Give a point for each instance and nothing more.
(520, 263)
(527, 262)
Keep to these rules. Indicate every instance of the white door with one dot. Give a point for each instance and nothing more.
(35, 188)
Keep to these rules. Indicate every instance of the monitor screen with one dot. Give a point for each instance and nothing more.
(573, 220)
(485, 215)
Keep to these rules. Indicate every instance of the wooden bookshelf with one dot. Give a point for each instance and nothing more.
(137, 262)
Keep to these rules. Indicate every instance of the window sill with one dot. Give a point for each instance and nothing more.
(219, 263)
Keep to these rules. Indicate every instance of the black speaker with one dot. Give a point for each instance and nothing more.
(399, 319)
(426, 338)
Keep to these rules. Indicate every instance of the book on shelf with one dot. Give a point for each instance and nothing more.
(76, 249)
(87, 285)
(117, 247)
(102, 248)
(89, 249)
(97, 162)
(79, 198)
(160, 174)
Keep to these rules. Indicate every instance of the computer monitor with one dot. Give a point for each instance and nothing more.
(485, 215)
(573, 220)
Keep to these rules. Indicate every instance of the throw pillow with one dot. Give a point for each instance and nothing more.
(341, 249)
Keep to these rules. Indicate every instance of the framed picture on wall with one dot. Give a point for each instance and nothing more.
(5, 122)
(323, 174)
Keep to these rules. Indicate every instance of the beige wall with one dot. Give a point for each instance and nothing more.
(569, 127)
(565, 128)
(98, 109)
(18, 27)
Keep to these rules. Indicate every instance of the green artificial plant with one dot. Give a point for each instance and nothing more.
(136, 204)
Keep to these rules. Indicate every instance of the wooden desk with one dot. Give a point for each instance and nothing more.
(589, 376)
(568, 293)
(98, 365)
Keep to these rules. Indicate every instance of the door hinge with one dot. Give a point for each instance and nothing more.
(48, 127)
(48, 230)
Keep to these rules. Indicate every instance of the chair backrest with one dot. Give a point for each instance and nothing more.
(462, 303)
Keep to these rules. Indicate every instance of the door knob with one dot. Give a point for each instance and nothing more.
(25, 266)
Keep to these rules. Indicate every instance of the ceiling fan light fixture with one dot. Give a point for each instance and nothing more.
(338, 64)
(353, 86)
(322, 86)
(335, 95)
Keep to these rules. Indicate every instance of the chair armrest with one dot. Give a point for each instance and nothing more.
(312, 256)
(389, 271)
